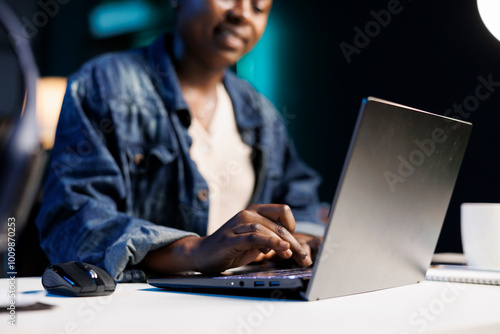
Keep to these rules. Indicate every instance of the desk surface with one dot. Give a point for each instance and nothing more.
(427, 307)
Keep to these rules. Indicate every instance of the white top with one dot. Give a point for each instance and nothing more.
(224, 160)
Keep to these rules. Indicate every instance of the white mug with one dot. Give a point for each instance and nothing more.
(480, 228)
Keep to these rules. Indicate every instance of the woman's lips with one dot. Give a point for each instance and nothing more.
(229, 38)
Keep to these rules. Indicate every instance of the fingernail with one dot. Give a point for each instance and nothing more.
(284, 244)
(308, 261)
(288, 253)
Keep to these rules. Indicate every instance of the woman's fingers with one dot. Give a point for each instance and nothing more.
(277, 213)
(261, 240)
(271, 224)
(284, 227)
(258, 230)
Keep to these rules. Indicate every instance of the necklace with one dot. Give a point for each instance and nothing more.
(202, 106)
(207, 107)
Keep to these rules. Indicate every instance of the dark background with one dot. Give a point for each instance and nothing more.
(429, 56)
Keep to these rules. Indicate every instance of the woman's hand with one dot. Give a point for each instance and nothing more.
(259, 229)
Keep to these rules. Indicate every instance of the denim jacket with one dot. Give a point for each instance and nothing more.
(121, 182)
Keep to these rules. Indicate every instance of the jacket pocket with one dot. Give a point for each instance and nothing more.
(143, 159)
(152, 181)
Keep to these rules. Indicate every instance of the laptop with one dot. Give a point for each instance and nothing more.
(386, 216)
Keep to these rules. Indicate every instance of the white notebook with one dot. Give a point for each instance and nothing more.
(462, 274)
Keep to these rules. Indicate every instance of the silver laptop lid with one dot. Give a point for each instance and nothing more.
(391, 200)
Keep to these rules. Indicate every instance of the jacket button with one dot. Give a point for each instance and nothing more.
(138, 158)
(203, 195)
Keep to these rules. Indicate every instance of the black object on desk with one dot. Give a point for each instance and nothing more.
(77, 279)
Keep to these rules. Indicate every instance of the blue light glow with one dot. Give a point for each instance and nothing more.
(111, 19)
(68, 280)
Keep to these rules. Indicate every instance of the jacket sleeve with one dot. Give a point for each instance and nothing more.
(84, 214)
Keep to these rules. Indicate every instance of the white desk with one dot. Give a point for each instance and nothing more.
(428, 307)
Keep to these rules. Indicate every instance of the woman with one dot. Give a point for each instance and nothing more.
(149, 139)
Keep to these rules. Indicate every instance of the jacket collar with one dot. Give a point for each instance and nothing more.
(246, 102)
(165, 75)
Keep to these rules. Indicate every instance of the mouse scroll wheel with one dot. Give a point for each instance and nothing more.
(93, 274)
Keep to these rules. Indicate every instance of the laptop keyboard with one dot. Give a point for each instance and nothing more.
(274, 274)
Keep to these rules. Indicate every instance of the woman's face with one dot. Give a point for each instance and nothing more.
(218, 33)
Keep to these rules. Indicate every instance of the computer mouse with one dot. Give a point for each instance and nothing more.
(77, 279)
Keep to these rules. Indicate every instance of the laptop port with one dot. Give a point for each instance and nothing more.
(258, 283)
(274, 283)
